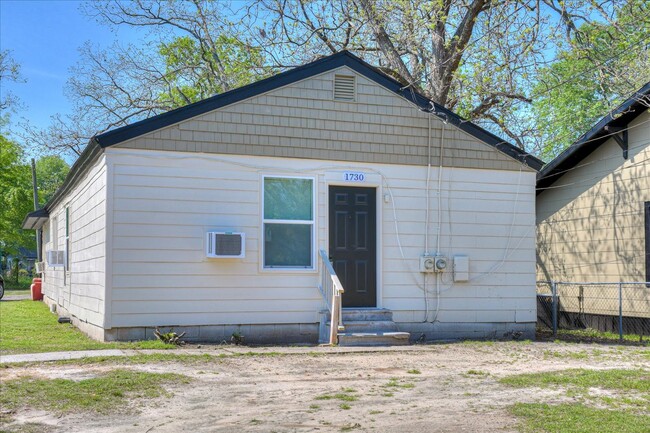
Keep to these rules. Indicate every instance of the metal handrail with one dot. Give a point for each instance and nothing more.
(331, 289)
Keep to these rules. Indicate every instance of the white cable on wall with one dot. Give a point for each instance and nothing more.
(439, 228)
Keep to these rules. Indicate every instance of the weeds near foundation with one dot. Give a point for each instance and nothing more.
(237, 339)
(170, 337)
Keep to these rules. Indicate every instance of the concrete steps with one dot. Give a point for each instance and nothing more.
(367, 327)
(374, 338)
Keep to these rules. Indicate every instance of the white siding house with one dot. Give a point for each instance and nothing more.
(331, 156)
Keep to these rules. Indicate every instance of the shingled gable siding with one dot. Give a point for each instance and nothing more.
(81, 294)
(590, 222)
(303, 120)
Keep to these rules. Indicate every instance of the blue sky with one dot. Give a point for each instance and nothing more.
(43, 37)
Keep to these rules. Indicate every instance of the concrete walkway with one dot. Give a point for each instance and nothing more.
(59, 356)
(15, 298)
(215, 350)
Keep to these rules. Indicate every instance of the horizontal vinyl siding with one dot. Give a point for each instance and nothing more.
(82, 291)
(590, 224)
(302, 120)
(164, 202)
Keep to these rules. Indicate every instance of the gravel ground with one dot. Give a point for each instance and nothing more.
(429, 388)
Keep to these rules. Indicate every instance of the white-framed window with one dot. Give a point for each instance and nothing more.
(46, 233)
(54, 228)
(289, 222)
(67, 238)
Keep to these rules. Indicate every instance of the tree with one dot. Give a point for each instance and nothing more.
(51, 171)
(16, 198)
(479, 58)
(476, 57)
(190, 55)
(611, 61)
(9, 72)
(16, 193)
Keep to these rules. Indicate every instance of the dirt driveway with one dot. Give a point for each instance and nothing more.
(432, 388)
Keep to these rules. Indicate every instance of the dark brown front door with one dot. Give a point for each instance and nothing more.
(353, 243)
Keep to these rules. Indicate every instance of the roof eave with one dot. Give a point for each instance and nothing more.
(35, 219)
(597, 135)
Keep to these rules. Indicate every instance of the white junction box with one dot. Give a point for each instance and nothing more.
(461, 268)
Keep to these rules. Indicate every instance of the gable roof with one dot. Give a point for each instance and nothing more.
(343, 58)
(620, 117)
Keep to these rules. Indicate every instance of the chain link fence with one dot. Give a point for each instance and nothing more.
(618, 308)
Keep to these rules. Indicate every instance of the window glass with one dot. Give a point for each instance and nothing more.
(67, 239)
(288, 222)
(288, 199)
(55, 233)
(287, 245)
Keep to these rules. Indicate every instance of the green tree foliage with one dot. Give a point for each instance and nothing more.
(603, 65)
(51, 171)
(16, 199)
(192, 51)
(191, 73)
(16, 193)
(479, 58)
(9, 72)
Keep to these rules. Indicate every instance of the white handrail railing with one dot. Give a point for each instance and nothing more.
(331, 289)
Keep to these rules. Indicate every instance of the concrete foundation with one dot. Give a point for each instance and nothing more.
(306, 333)
(302, 333)
(437, 331)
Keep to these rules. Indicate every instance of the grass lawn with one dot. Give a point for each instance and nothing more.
(590, 335)
(608, 401)
(29, 327)
(580, 379)
(577, 418)
(106, 393)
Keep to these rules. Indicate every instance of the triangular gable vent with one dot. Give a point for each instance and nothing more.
(344, 87)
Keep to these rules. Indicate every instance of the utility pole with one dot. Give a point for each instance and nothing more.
(39, 253)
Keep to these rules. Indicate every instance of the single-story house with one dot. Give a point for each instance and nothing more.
(223, 216)
(593, 213)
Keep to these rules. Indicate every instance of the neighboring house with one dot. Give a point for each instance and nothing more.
(332, 156)
(25, 257)
(593, 208)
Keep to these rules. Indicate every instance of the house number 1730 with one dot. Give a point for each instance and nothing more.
(354, 176)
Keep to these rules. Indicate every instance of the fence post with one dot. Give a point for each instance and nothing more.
(620, 311)
(554, 307)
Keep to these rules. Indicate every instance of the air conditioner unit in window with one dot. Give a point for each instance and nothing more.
(39, 267)
(56, 258)
(226, 245)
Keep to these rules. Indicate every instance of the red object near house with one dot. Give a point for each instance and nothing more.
(37, 295)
